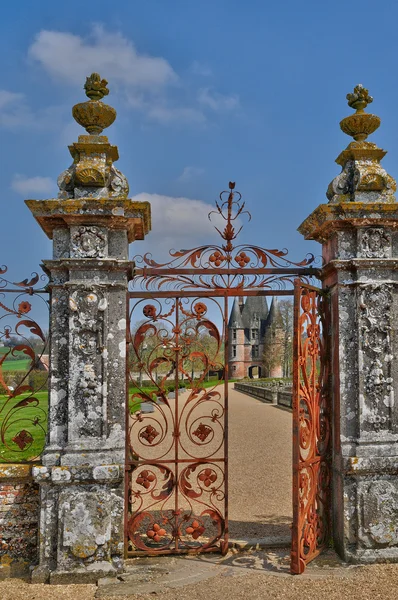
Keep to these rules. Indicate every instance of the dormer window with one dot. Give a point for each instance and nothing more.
(254, 334)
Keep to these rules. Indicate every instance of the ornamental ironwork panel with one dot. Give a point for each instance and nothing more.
(176, 434)
(311, 426)
(24, 364)
(229, 267)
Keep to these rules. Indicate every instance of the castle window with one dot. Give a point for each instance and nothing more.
(255, 352)
(234, 367)
(234, 334)
(254, 334)
(234, 351)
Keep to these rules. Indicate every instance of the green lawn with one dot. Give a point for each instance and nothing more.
(27, 424)
(22, 364)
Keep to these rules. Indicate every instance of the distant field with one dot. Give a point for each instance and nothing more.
(17, 365)
(22, 364)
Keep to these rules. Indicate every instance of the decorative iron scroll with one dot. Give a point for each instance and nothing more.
(23, 369)
(176, 486)
(224, 266)
(311, 427)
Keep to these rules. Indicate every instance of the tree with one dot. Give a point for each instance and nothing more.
(286, 310)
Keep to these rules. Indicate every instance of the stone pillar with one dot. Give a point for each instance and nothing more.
(81, 477)
(358, 229)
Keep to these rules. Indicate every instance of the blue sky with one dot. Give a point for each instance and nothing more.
(206, 92)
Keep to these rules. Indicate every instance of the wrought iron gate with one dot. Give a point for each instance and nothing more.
(178, 449)
(177, 441)
(311, 426)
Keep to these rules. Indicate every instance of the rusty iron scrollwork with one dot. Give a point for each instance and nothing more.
(311, 426)
(23, 394)
(227, 266)
(176, 487)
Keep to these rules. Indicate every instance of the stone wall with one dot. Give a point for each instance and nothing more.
(19, 516)
(281, 397)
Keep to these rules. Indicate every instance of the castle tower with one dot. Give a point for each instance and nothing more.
(274, 338)
(246, 334)
(237, 340)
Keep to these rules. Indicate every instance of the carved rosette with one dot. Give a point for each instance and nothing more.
(374, 242)
(375, 351)
(89, 241)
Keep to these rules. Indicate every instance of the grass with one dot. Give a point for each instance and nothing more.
(15, 419)
(22, 364)
(19, 364)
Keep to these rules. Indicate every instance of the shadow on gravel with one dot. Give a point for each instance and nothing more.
(262, 527)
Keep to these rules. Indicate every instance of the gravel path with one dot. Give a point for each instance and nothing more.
(260, 467)
(366, 583)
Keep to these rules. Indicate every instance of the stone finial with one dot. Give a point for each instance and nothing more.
(359, 99)
(362, 179)
(94, 115)
(360, 124)
(92, 173)
(96, 87)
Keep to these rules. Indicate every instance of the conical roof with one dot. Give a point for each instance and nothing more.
(274, 318)
(254, 311)
(235, 318)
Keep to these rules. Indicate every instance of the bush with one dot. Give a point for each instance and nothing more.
(38, 380)
(14, 378)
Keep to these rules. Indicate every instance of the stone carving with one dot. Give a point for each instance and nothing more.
(118, 183)
(380, 514)
(360, 124)
(89, 241)
(92, 179)
(375, 242)
(87, 382)
(92, 511)
(93, 115)
(375, 306)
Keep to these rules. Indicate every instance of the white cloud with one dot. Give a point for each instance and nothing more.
(216, 101)
(32, 185)
(190, 173)
(14, 111)
(7, 98)
(70, 58)
(16, 114)
(177, 223)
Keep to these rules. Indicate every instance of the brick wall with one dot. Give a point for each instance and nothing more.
(19, 516)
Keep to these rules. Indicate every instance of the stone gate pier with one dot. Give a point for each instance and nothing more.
(81, 478)
(358, 230)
